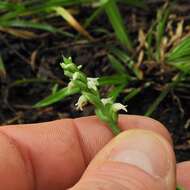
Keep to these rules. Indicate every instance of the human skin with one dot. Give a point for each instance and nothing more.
(54, 155)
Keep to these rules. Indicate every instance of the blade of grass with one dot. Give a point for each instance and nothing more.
(117, 22)
(162, 95)
(136, 91)
(10, 6)
(126, 59)
(32, 25)
(162, 17)
(29, 81)
(179, 56)
(113, 80)
(116, 64)
(72, 21)
(116, 91)
(182, 49)
(95, 14)
(57, 96)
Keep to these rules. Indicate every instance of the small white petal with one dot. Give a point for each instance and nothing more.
(82, 101)
(79, 67)
(75, 75)
(92, 83)
(119, 106)
(106, 100)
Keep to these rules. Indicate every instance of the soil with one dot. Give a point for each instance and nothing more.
(36, 62)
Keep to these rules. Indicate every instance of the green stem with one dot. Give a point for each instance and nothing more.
(115, 129)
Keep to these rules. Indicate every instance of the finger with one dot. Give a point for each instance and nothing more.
(57, 153)
(142, 122)
(95, 134)
(183, 175)
(131, 162)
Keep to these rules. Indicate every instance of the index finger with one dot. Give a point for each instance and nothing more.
(54, 155)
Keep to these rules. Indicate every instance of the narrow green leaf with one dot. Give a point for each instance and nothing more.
(181, 50)
(162, 17)
(116, 91)
(179, 56)
(136, 91)
(162, 95)
(113, 80)
(126, 59)
(116, 64)
(117, 23)
(132, 94)
(10, 6)
(33, 25)
(95, 14)
(58, 96)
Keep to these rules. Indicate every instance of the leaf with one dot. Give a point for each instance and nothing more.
(10, 6)
(116, 64)
(136, 91)
(117, 23)
(33, 25)
(57, 96)
(126, 59)
(163, 94)
(95, 14)
(113, 80)
(116, 91)
(72, 21)
(162, 17)
(181, 50)
(179, 56)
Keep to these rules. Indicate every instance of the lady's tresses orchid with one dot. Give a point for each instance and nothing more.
(105, 108)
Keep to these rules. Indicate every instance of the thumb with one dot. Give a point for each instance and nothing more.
(134, 160)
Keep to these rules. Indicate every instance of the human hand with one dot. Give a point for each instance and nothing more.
(54, 155)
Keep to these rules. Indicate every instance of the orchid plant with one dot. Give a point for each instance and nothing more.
(105, 108)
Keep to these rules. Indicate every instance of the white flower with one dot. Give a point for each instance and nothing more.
(119, 106)
(79, 67)
(66, 66)
(76, 75)
(92, 83)
(82, 101)
(106, 100)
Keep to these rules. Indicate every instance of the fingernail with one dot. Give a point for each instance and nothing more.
(145, 150)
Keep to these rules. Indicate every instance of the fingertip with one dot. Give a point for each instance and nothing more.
(134, 150)
(94, 134)
(183, 175)
(142, 122)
